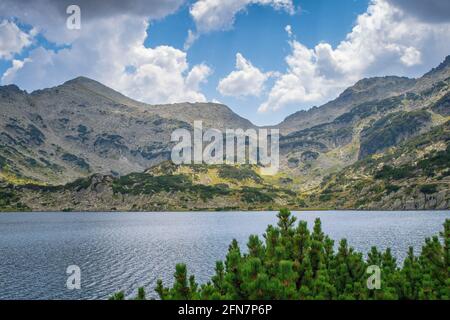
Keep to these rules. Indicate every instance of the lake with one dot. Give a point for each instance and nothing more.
(123, 251)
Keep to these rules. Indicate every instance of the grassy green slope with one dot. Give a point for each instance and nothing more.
(414, 175)
(165, 187)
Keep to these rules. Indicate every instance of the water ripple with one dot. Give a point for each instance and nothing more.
(123, 251)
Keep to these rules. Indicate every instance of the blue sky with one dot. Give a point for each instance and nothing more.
(259, 34)
(242, 54)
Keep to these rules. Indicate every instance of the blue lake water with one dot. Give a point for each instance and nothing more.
(123, 251)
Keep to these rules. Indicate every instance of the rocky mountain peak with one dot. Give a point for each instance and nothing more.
(441, 71)
(445, 64)
(12, 93)
(365, 90)
(11, 88)
(380, 83)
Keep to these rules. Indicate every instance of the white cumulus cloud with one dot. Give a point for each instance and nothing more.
(12, 39)
(215, 15)
(110, 48)
(246, 80)
(191, 38)
(162, 75)
(288, 30)
(386, 40)
(49, 16)
(434, 11)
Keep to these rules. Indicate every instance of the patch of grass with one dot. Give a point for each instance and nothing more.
(254, 195)
(141, 183)
(390, 188)
(436, 161)
(10, 200)
(428, 189)
(238, 173)
(387, 131)
(389, 172)
(77, 161)
(325, 197)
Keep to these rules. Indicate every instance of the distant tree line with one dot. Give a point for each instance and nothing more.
(294, 263)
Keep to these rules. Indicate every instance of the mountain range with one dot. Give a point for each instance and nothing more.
(382, 144)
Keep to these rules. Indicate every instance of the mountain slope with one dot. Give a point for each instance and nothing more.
(82, 127)
(413, 176)
(368, 128)
(363, 91)
(164, 187)
(52, 138)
